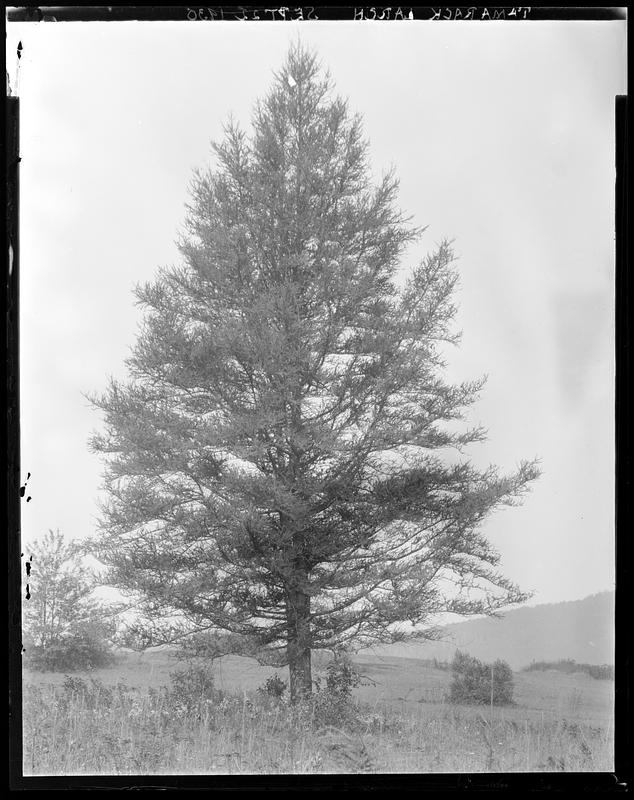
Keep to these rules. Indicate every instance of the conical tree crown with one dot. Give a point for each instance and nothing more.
(276, 439)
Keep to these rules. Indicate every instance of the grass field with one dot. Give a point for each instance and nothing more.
(121, 721)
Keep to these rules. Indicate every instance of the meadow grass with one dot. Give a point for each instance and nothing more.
(123, 721)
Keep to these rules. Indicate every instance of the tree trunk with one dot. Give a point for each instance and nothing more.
(299, 666)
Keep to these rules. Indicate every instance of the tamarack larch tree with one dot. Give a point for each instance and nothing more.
(275, 462)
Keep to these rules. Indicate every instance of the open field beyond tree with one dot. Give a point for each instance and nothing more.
(122, 720)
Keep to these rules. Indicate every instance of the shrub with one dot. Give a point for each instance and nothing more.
(333, 702)
(92, 694)
(192, 688)
(79, 651)
(274, 687)
(341, 677)
(477, 683)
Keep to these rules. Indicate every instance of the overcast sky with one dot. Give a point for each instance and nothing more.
(503, 137)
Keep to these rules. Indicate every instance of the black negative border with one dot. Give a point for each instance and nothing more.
(282, 13)
(624, 741)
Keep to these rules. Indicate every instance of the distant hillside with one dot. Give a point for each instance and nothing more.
(582, 630)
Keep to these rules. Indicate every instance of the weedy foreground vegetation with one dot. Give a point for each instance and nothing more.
(144, 716)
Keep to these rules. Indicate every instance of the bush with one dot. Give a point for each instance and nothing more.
(192, 688)
(333, 701)
(477, 683)
(93, 694)
(274, 687)
(80, 651)
(341, 677)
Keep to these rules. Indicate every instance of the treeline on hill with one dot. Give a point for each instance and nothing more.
(436, 663)
(602, 672)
